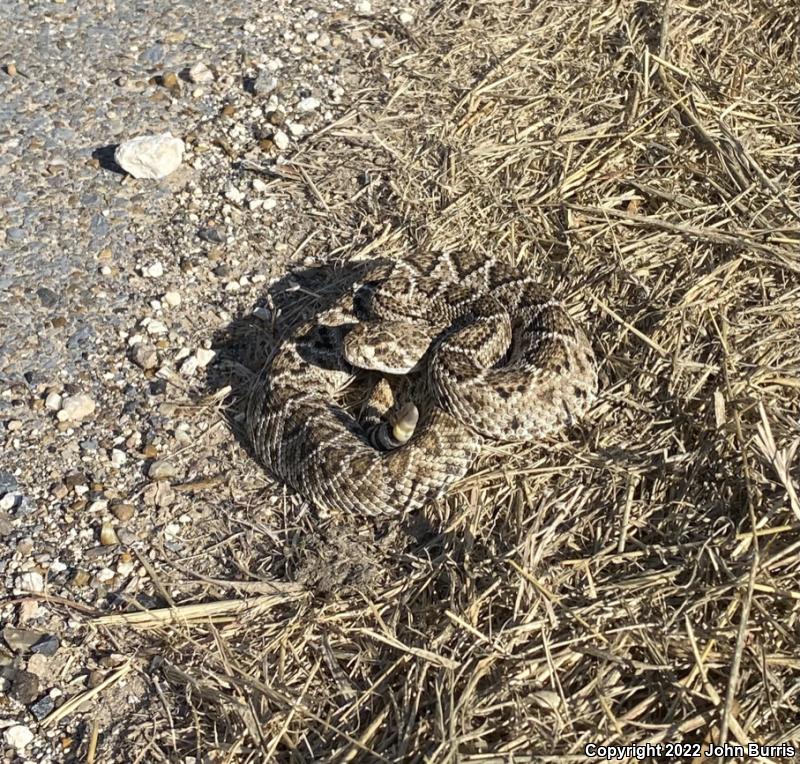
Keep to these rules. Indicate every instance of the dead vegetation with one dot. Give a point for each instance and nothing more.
(636, 580)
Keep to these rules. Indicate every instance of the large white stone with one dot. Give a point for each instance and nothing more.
(201, 74)
(30, 582)
(18, 737)
(150, 156)
(76, 407)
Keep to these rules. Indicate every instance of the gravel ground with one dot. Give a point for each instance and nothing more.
(111, 290)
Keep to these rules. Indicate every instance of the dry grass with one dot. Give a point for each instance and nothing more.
(636, 580)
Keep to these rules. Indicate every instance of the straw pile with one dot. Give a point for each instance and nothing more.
(635, 580)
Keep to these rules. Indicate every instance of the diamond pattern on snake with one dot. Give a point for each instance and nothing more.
(481, 352)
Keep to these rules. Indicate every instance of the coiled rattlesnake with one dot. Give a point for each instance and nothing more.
(493, 356)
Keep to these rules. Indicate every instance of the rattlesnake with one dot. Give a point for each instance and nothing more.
(494, 357)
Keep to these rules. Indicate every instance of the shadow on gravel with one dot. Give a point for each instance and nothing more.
(325, 554)
(105, 156)
(246, 344)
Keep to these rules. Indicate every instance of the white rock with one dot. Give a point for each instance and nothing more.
(162, 469)
(154, 271)
(189, 366)
(145, 356)
(259, 185)
(406, 18)
(18, 737)
(173, 299)
(53, 402)
(9, 501)
(363, 6)
(264, 84)
(104, 574)
(232, 286)
(205, 357)
(281, 140)
(200, 74)
(270, 204)
(308, 104)
(156, 328)
(296, 129)
(150, 156)
(118, 457)
(30, 582)
(233, 194)
(76, 407)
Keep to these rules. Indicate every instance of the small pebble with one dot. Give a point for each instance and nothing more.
(308, 104)
(108, 536)
(173, 299)
(205, 357)
(104, 575)
(123, 511)
(170, 81)
(24, 687)
(126, 565)
(296, 129)
(76, 407)
(200, 74)
(189, 367)
(154, 271)
(118, 457)
(30, 582)
(42, 707)
(161, 469)
(233, 194)
(145, 356)
(47, 645)
(9, 501)
(58, 490)
(80, 578)
(53, 402)
(21, 640)
(264, 83)
(157, 328)
(281, 140)
(18, 737)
